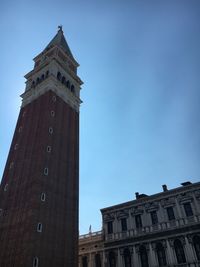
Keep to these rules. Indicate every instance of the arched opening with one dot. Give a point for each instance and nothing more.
(59, 76)
(143, 256)
(112, 259)
(47, 74)
(127, 258)
(196, 243)
(63, 79)
(33, 84)
(68, 84)
(97, 260)
(72, 88)
(42, 77)
(180, 254)
(38, 80)
(161, 254)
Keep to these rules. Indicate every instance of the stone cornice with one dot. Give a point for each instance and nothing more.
(51, 83)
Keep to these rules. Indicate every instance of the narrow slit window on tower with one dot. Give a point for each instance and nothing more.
(48, 149)
(11, 165)
(20, 129)
(47, 73)
(46, 171)
(52, 113)
(43, 197)
(16, 146)
(54, 98)
(39, 227)
(50, 130)
(35, 262)
(6, 187)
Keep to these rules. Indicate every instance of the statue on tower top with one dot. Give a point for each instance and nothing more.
(60, 28)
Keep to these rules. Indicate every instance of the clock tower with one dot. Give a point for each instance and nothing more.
(40, 186)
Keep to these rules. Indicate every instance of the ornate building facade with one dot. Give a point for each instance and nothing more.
(40, 185)
(150, 231)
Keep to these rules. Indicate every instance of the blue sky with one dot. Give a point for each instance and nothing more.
(140, 62)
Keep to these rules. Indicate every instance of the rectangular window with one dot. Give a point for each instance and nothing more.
(170, 213)
(188, 209)
(154, 217)
(110, 227)
(124, 224)
(138, 221)
(39, 227)
(84, 261)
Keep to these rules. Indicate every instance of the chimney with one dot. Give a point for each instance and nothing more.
(164, 186)
(137, 195)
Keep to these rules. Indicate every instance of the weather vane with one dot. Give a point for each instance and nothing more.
(60, 27)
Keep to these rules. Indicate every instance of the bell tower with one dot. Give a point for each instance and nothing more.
(40, 186)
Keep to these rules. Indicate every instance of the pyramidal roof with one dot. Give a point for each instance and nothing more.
(60, 40)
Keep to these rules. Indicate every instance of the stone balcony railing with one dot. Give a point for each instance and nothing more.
(160, 227)
(93, 236)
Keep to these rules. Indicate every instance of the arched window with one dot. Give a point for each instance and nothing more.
(112, 259)
(42, 77)
(47, 74)
(33, 84)
(97, 260)
(84, 261)
(180, 255)
(35, 262)
(68, 84)
(38, 80)
(196, 243)
(161, 254)
(143, 256)
(63, 79)
(127, 258)
(59, 76)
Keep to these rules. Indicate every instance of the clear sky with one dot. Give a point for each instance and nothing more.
(140, 63)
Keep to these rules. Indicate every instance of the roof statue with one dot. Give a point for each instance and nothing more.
(60, 40)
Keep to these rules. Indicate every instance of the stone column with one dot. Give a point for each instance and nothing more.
(136, 258)
(152, 255)
(103, 259)
(178, 209)
(170, 252)
(90, 260)
(119, 258)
